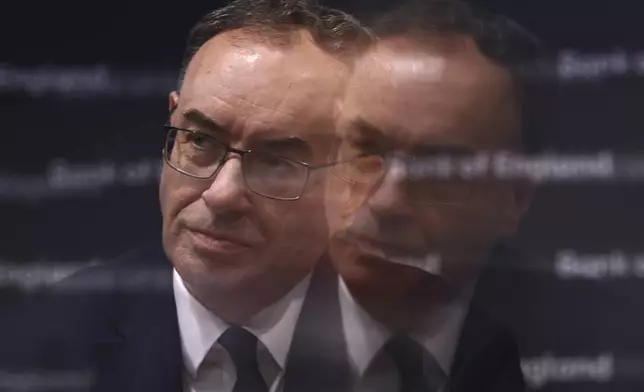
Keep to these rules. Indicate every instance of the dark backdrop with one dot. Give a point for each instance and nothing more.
(83, 96)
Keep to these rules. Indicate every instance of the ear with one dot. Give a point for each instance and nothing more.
(337, 108)
(173, 101)
(521, 193)
(524, 192)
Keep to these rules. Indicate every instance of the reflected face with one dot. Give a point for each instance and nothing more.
(224, 240)
(415, 103)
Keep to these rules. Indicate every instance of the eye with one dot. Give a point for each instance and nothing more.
(369, 164)
(277, 163)
(366, 146)
(272, 161)
(200, 140)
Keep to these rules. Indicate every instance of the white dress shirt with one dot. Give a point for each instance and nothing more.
(438, 334)
(200, 329)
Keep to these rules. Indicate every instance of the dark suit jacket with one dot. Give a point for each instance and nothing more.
(115, 328)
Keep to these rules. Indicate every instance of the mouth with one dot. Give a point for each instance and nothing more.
(218, 243)
(395, 253)
(378, 247)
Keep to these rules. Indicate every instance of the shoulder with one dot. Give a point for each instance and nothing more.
(483, 331)
(487, 356)
(139, 271)
(72, 313)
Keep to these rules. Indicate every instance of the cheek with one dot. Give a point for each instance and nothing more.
(341, 202)
(175, 195)
(297, 231)
(497, 211)
(463, 227)
(305, 218)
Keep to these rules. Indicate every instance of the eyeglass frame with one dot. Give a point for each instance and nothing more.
(243, 152)
(389, 160)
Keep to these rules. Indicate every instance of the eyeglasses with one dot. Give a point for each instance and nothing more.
(199, 155)
(418, 183)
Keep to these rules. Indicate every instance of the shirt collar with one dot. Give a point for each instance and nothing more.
(274, 326)
(440, 332)
(365, 336)
(200, 328)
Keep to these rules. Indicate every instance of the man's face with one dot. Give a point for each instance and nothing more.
(224, 240)
(416, 103)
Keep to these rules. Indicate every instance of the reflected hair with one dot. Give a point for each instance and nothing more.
(500, 39)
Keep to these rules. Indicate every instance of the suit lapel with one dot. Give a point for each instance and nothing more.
(317, 360)
(140, 350)
(466, 368)
(486, 357)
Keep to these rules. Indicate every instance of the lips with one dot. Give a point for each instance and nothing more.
(219, 243)
(414, 257)
(379, 247)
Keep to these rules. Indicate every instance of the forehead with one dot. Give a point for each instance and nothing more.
(237, 79)
(446, 90)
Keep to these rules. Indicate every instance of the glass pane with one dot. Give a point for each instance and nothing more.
(439, 191)
(274, 176)
(196, 153)
(362, 170)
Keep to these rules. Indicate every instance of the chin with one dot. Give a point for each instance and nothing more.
(219, 277)
(208, 264)
(375, 274)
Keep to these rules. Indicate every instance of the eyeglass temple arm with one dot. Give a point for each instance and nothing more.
(330, 164)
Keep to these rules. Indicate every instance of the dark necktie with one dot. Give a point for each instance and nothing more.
(419, 371)
(242, 347)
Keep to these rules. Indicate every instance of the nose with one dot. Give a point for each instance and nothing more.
(388, 196)
(227, 193)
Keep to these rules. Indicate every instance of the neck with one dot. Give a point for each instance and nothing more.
(401, 310)
(239, 308)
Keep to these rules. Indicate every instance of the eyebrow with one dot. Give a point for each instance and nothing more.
(373, 133)
(368, 129)
(202, 119)
(442, 148)
(369, 135)
(288, 144)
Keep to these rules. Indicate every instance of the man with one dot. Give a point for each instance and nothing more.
(443, 83)
(246, 155)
